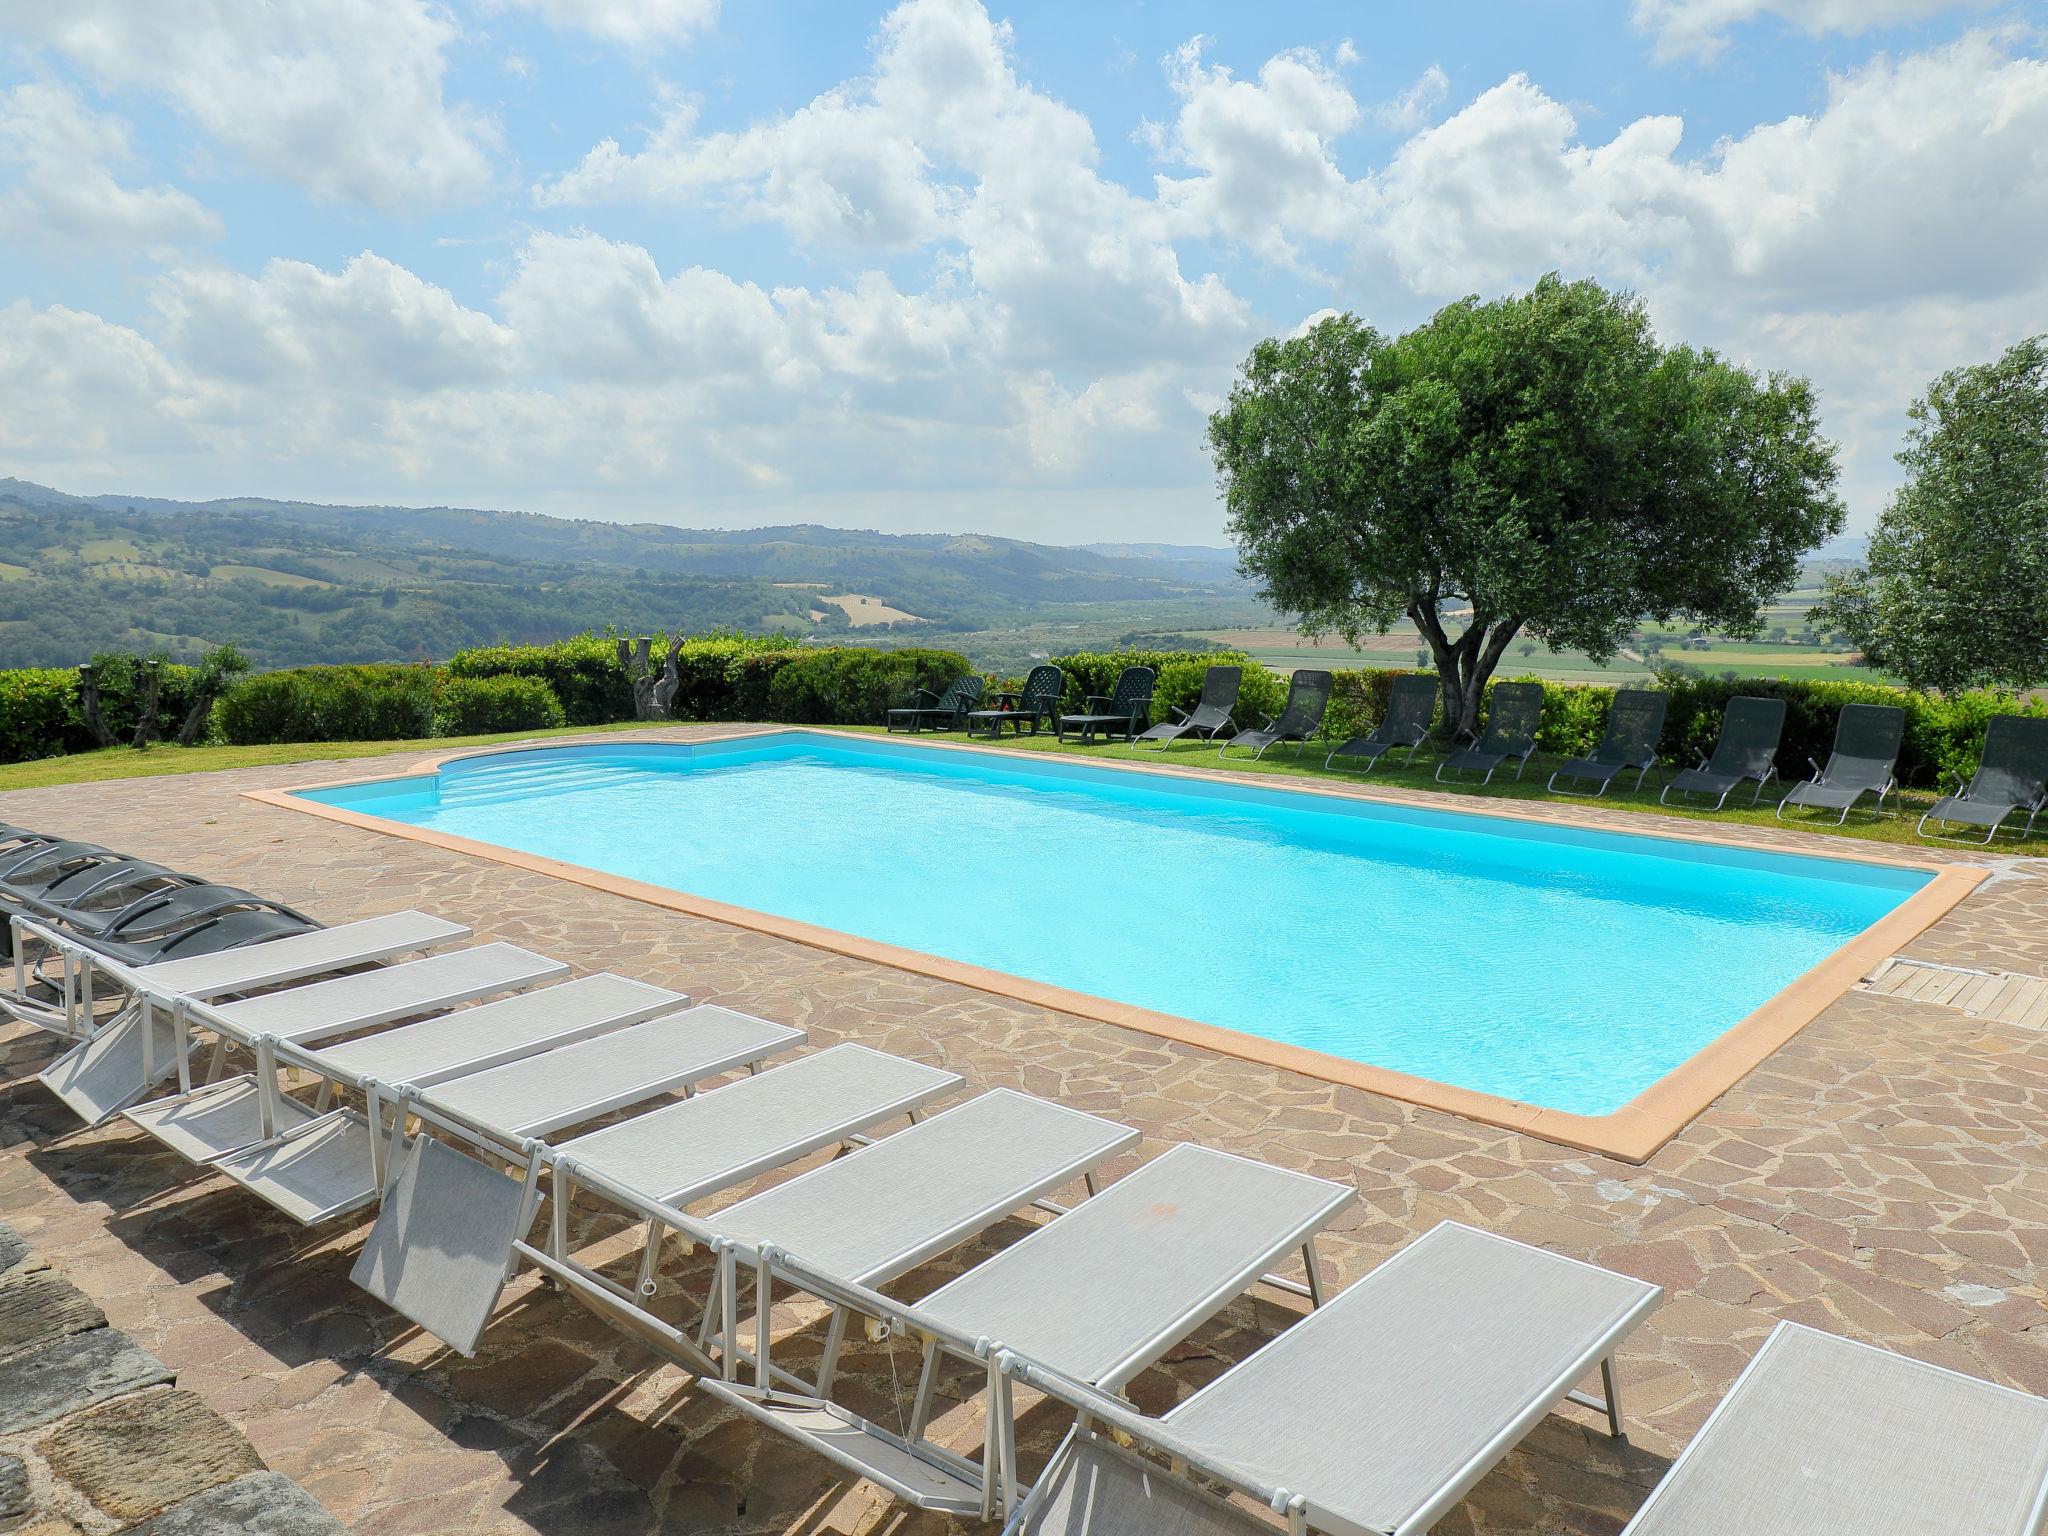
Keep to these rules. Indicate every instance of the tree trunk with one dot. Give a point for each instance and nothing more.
(1465, 664)
(146, 722)
(635, 656)
(89, 708)
(671, 681)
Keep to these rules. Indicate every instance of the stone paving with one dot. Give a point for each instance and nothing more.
(94, 1438)
(1884, 1175)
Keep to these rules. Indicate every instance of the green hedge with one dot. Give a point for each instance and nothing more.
(483, 706)
(39, 714)
(849, 685)
(582, 672)
(381, 702)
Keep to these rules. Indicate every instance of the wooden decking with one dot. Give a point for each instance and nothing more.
(2000, 996)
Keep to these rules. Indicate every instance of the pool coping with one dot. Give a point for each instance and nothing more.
(1631, 1134)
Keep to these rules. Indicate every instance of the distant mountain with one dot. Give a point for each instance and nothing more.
(295, 581)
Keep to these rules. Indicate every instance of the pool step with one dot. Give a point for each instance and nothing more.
(525, 783)
(2002, 997)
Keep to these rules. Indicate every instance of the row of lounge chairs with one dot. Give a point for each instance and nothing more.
(2011, 780)
(440, 1074)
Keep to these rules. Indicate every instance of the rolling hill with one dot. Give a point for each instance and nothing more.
(293, 581)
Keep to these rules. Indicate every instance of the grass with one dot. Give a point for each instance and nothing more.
(161, 761)
(1895, 828)
(1902, 812)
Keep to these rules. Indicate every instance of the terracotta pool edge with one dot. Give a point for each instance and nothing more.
(1631, 1134)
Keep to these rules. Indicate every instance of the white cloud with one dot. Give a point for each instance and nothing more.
(1263, 150)
(1417, 105)
(632, 22)
(340, 97)
(64, 190)
(373, 326)
(1699, 28)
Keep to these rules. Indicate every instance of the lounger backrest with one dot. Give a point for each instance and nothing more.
(1308, 698)
(1043, 687)
(1513, 712)
(961, 692)
(1750, 731)
(1219, 697)
(1635, 724)
(1133, 691)
(1411, 706)
(1867, 738)
(2015, 760)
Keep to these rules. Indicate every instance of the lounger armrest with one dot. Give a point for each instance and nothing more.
(1096, 704)
(1181, 716)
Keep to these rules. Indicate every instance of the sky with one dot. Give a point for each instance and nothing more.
(944, 266)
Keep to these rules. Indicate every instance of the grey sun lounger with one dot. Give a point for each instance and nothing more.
(2012, 776)
(1035, 704)
(1211, 715)
(1411, 707)
(138, 1048)
(1822, 1436)
(202, 1123)
(1308, 700)
(651, 1165)
(1513, 713)
(1635, 724)
(1104, 1291)
(1747, 749)
(1122, 711)
(1864, 762)
(1376, 1413)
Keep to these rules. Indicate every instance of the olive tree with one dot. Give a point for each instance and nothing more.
(1955, 590)
(1537, 463)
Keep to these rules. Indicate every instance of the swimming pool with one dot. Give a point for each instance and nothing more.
(1553, 966)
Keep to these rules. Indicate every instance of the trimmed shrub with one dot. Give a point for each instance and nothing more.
(851, 685)
(39, 714)
(727, 676)
(582, 672)
(484, 706)
(384, 702)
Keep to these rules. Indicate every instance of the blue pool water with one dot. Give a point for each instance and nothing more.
(1564, 968)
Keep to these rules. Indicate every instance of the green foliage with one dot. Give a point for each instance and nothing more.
(1955, 593)
(850, 686)
(582, 672)
(356, 703)
(726, 675)
(1541, 461)
(483, 706)
(1179, 685)
(119, 675)
(39, 714)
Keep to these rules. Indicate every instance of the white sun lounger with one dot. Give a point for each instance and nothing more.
(452, 1230)
(1375, 1414)
(138, 1048)
(201, 1124)
(320, 1165)
(1822, 1436)
(1099, 1294)
(867, 1219)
